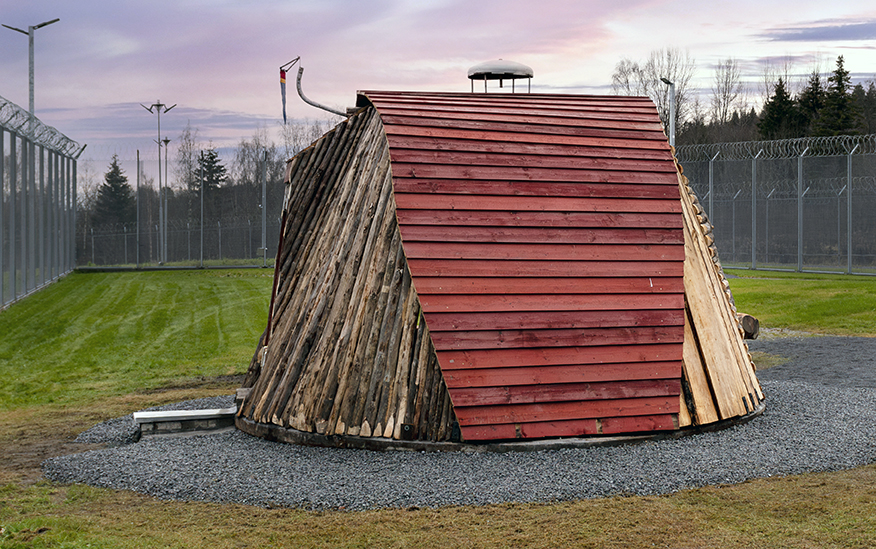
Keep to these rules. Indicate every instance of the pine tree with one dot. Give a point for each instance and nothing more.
(865, 103)
(212, 170)
(810, 103)
(839, 115)
(116, 204)
(780, 118)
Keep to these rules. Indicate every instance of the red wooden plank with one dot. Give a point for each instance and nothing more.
(554, 411)
(463, 285)
(441, 303)
(424, 201)
(593, 119)
(639, 424)
(542, 251)
(562, 392)
(483, 320)
(514, 218)
(378, 96)
(493, 135)
(570, 337)
(425, 105)
(534, 188)
(571, 428)
(472, 267)
(537, 114)
(504, 160)
(575, 373)
(658, 137)
(545, 429)
(399, 142)
(458, 233)
(555, 356)
(524, 173)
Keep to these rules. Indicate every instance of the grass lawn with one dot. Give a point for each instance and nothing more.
(96, 346)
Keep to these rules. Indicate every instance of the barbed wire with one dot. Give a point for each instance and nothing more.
(839, 145)
(14, 119)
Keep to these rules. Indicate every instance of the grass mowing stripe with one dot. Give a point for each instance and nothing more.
(99, 334)
(836, 304)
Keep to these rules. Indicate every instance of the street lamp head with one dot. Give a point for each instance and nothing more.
(46, 23)
(15, 29)
(667, 82)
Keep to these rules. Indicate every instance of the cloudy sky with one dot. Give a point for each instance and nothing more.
(218, 60)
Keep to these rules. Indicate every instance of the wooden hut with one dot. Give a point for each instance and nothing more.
(485, 267)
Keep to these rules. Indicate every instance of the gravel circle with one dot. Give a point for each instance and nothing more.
(818, 425)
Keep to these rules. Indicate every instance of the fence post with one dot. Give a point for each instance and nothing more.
(800, 210)
(137, 240)
(2, 200)
(754, 210)
(219, 224)
(712, 186)
(41, 218)
(201, 177)
(849, 208)
(265, 209)
(13, 175)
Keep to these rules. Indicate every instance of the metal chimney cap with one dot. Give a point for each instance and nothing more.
(499, 70)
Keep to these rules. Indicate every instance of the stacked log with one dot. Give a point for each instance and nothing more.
(719, 375)
(346, 351)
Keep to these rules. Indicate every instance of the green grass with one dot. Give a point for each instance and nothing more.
(834, 304)
(100, 345)
(92, 336)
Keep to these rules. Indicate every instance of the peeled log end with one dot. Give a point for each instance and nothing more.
(750, 325)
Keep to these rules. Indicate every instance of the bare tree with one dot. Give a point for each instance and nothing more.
(627, 78)
(186, 164)
(726, 90)
(772, 71)
(632, 78)
(298, 135)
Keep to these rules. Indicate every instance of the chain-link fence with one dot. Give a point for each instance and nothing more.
(37, 198)
(801, 204)
(188, 223)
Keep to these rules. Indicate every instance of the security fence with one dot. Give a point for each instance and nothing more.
(804, 204)
(188, 224)
(37, 203)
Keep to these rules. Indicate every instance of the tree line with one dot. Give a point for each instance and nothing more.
(232, 188)
(826, 105)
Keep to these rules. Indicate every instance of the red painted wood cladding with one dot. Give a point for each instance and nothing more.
(544, 238)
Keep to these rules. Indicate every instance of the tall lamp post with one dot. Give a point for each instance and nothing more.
(671, 110)
(30, 33)
(156, 108)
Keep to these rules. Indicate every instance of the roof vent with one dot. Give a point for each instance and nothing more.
(500, 70)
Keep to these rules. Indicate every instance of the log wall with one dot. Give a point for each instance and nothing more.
(346, 351)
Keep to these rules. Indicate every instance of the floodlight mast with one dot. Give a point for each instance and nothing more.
(30, 35)
(158, 106)
(671, 110)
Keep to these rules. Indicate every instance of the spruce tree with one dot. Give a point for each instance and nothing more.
(810, 103)
(839, 115)
(781, 118)
(214, 173)
(116, 203)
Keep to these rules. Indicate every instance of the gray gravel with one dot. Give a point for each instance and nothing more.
(817, 425)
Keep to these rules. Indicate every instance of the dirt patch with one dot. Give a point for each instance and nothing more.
(30, 437)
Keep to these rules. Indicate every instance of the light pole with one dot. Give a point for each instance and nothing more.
(157, 106)
(30, 33)
(671, 110)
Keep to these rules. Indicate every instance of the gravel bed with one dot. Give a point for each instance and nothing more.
(124, 430)
(817, 425)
